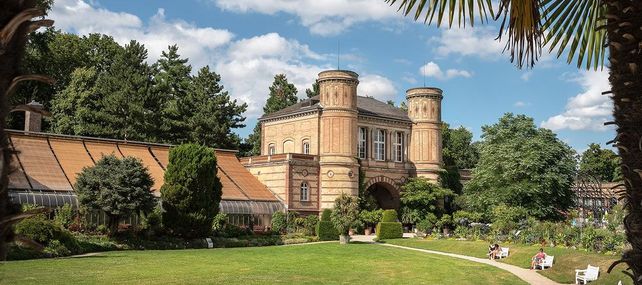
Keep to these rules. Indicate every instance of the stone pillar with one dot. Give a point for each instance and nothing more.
(424, 109)
(338, 135)
(33, 120)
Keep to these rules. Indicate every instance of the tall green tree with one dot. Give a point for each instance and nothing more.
(521, 165)
(587, 32)
(171, 85)
(214, 115)
(603, 164)
(73, 108)
(314, 91)
(191, 192)
(420, 197)
(118, 187)
(282, 94)
(458, 148)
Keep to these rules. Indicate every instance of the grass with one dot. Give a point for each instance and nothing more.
(304, 264)
(563, 270)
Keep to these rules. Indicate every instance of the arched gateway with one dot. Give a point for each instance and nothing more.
(384, 190)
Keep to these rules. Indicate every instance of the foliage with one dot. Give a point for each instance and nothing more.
(524, 166)
(326, 214)
(152, 222)
(326, 231)
(507, 218)
(118, 187)
(64, 215)
(445, 222)
(458, 149)
(603, 164)
(389, 216)
(282, 94)
(465, 217)
(427, 223)
(314, 91)
(370, 218)
(56, 240)
(279, 223)
(389, 230)
(192, 191)
(419, 197)
(345, 213)
(309, 224)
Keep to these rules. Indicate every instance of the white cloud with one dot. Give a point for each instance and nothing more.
(432, 69)
(478, 41)
(526, 75)
(520, 104)
(377, 86)
(197, 44)
(320, 17)
(587, 110)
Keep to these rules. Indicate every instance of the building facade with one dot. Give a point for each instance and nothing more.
(315, 150)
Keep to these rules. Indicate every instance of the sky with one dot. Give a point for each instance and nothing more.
(249, 41)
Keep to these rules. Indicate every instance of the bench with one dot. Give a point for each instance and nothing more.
(547, 262)
(503, 252)
(583, 276)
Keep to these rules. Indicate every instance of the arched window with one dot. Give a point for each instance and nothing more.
(271, 149)
(306, 147)
(380, 145)
(305, 191)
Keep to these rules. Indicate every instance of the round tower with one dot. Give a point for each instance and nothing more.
(338, 135)
(424, 109)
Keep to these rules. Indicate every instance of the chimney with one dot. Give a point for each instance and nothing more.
(33, 119)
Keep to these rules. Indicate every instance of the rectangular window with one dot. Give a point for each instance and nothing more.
(398, 147)
(362, 144)
(380, 145)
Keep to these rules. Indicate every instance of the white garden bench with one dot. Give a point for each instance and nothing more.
(583, 276)
(503, 252)
(547, 262)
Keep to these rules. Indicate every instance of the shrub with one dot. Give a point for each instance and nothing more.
(64, 215)
(389, 216)
(233, 231)
(310, 224)
(219, 222)
(56, 249)
(119, 187)
(327, 231)
(47, 233)
(370, 218)
(325, 216)
(389, 230)
(345, 213)
(192, 191)
(152, 222)
(279, 222)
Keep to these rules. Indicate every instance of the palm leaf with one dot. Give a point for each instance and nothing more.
(521, 22)
(462, 10)
(580, 23)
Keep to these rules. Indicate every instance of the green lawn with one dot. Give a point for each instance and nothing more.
(304, 264)
(563, 270)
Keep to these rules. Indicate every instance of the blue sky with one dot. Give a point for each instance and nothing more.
(248, 41)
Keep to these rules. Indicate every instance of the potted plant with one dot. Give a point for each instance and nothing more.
(345, 215)
(370, 219)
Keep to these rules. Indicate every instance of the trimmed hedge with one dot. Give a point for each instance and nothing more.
(325, 228)
(389, 216)
(389, 230)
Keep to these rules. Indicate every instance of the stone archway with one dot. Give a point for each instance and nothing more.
(384, 190)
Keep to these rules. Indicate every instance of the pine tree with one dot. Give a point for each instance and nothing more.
(282, 94)
(214, 113)
(171, 86)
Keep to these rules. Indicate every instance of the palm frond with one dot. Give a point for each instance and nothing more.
(521, 21)
(462, 10)
(580, 23)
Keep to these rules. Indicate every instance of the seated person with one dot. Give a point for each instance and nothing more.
(493, 250)
(538, 258)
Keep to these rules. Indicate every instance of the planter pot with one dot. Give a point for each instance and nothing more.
(368, 231)
(344, 239)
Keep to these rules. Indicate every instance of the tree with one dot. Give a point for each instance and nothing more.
(345, 214)
(591, 27)
(282, 94)
(521, 165)
(312, 92)
(79, 95)
(419, 197)
(118, 187)
(192, 191)
(600, 163)
(171, 85)
(458, 148)
(214, 114)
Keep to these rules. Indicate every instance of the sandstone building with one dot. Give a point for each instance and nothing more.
(314, 150)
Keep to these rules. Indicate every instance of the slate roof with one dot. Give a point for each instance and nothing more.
(366, 106)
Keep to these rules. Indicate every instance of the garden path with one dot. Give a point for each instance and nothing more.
(530, 276)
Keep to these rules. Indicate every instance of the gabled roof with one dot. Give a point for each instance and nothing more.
(366, 106)
(49, 162)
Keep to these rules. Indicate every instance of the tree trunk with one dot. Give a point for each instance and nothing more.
(625, 55)
(10, 55)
